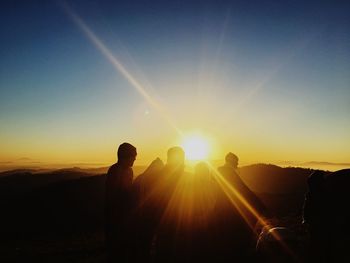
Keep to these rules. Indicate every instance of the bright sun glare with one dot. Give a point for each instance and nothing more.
(196, 147)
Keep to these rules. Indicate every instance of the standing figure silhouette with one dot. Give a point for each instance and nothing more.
(235, 220)
(118, 204)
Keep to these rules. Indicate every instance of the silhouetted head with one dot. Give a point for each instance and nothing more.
(176, 157)
(126, 154)
(231, 159)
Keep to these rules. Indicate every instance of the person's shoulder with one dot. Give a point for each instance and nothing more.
(113, 168)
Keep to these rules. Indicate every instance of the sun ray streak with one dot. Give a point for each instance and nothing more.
(235, 198)
(228, 189)
(119, 67)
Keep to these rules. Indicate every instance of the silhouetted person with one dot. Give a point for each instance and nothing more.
(204, 197)
(235, 217)
(144, 183)
(229, 171)
(118, 203)
(169, 191)
(171, 175)
(199, 229)
(147, 210)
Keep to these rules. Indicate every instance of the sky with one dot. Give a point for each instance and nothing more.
(267, 80)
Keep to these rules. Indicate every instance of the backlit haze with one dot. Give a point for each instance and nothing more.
(266, 80)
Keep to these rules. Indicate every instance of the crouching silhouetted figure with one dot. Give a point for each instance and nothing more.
(118, 204)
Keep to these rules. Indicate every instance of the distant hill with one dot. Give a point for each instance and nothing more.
(326, 165)
(281, 189)
(17, 171)
(329, 166)
(19, 182)
(268, 178)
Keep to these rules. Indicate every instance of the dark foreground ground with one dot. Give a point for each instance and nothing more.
(78, 247)
(84, 246)
(58, 216)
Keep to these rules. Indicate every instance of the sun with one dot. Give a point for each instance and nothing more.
(196, 147)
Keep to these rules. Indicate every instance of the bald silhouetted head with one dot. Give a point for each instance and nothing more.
(126, 154)
(231, 160)
(176, 157)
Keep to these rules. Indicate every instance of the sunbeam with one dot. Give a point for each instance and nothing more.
(239, 202)
(119, 67)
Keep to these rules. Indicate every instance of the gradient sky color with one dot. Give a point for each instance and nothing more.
(268, 80)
